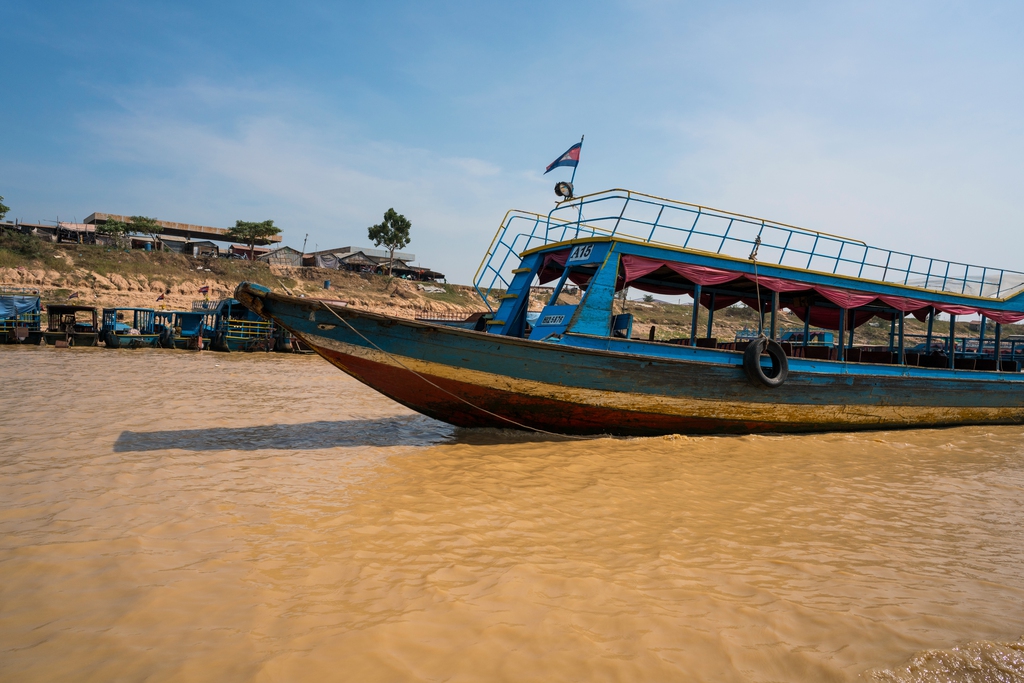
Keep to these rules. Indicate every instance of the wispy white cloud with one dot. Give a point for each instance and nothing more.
(308, 174)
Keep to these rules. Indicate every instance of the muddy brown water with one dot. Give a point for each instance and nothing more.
(177, 516)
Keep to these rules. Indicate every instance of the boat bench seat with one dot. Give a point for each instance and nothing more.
(964, 363)
(878, 357)
(934, 361)
(707, 343)
(819, 353)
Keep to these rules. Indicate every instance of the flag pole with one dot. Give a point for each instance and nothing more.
(577, 162)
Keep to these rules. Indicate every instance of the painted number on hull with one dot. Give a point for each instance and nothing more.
(552, 320)
(581, 252)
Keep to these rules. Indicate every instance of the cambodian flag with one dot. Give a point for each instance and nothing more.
(570, 158)
(205, 289)
(160, 298)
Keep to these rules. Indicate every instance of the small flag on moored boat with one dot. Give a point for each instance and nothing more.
(73, 295)
(160, 298)
(570, 158)
(205, 289)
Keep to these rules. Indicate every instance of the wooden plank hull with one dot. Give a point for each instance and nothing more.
(75, 339)
(473, 379)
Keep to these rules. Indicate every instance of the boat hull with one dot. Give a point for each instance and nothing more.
(73, 339)
(474, 379)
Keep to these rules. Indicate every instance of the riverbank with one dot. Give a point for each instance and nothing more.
(102, 276)
(106, 277)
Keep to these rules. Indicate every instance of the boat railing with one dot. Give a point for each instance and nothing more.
(31, 320)
(249, 329)
(663, 222)
(205, 306)
(519, 232)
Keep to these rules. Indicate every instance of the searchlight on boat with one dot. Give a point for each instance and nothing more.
(563, 189)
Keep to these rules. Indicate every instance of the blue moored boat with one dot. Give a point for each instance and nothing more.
(234, 327)
(118, 333)
(183, 329)
(579, 369)
(20, 316)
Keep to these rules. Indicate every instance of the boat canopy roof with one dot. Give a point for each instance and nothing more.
(723, 287)
(646, 229)
(13, 305)
(67, 308)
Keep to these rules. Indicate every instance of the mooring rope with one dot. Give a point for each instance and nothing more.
(452, 394)
(757, 285)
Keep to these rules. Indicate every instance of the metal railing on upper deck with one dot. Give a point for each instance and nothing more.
(653, 220)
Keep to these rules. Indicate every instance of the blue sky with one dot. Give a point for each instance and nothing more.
(900, 124)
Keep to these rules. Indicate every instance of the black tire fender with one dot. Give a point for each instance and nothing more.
(779, 370)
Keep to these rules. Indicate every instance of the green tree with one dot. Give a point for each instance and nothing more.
(117, 229)
(3, 209)
(144, 224)
(393, 233)
(253, 233)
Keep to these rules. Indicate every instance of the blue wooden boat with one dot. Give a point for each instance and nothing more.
(234, 327)
(189, 330)
(578, 369)
(71, 325)
(129, 328)
(20, 316)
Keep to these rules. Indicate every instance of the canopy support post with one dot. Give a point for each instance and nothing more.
(931, 323)
(853, 326)
(902, 356)
(892, 333)
(775, 311)
(696, 312)
(558, 287)
(842, 333)
(981, 336)
(807, 325)
(711, 314)
(952, 341)
(999, 338)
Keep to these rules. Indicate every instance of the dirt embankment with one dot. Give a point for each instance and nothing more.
(100, 276)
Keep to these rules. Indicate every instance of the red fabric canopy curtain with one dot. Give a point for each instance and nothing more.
(956, 310)
(776, 284)
(846, 299)
(637, 267)
(904, 304)
(554, 264)
(1003, 317)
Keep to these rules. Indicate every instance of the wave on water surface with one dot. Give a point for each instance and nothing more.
(979, 662)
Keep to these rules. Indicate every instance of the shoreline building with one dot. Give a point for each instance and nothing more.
(365, 260)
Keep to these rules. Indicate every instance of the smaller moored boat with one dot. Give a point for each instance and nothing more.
(118, 333)
(183, 329)
(234, 327)
(71, 325)
(20, 316)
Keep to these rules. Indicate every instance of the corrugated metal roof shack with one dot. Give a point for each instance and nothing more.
(285, 256)
(371, 261)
